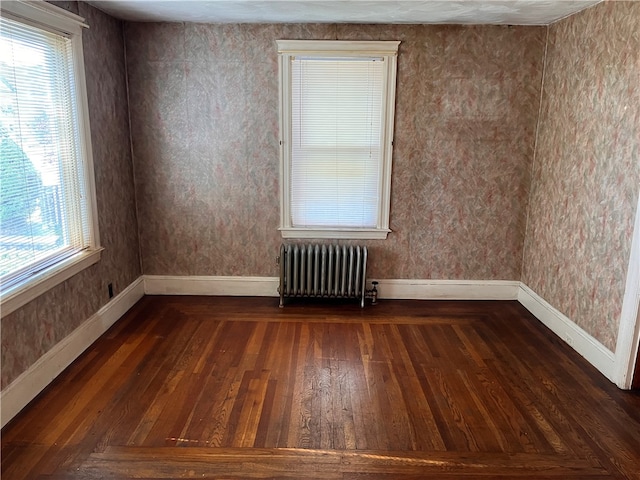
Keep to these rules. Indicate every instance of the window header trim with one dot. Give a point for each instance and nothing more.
(43, 14)
(334, 48)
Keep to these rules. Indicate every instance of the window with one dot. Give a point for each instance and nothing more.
(337, 101)
(48, 228)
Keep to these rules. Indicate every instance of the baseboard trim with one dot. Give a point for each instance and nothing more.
(211, 285)
(449, 289)
(582, 342)
(31, 382)
(391, 289)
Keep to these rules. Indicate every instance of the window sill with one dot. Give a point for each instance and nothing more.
(22, 294)
(343, 234)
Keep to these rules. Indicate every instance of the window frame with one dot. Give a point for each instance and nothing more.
(56, 20)
(287, 49)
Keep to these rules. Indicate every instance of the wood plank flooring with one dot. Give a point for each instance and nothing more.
(230, 388)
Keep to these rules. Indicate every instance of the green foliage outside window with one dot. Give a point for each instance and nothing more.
(20, 187)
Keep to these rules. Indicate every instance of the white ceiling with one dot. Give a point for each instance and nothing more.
(510, 12)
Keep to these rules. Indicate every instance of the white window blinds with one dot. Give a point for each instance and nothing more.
(336, 127)
(44, 212)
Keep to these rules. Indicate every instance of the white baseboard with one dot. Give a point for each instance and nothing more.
(233, 286)
(31, 382)
(449, 289)
(391, 289)
(582, 342)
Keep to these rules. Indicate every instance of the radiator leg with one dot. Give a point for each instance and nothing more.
(374, 294)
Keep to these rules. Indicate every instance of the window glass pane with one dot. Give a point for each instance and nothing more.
(336, 141)
(41, 212)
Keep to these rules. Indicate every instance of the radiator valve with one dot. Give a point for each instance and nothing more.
(373, 293)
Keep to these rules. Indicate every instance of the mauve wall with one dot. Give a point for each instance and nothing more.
(31, 331)
(204, 126)
(204, 119)
(587, 167)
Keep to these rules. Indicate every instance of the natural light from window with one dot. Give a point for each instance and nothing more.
(46, 209)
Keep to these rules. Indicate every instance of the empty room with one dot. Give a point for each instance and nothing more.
(320, 239)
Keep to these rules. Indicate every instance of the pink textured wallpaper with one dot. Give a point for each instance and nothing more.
(31, 331)
(468, 200)
(204, 114)
(587, 167)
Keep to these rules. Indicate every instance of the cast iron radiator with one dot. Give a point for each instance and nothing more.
(330, 271)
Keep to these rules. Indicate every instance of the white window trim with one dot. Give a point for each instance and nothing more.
(333, 48)
(52, 18)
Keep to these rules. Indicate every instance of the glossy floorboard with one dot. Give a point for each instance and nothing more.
(229, 388)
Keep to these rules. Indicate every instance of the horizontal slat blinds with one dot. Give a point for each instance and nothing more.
(43, 214)
(336, 141)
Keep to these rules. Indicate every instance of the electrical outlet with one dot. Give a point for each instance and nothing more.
(110, 287)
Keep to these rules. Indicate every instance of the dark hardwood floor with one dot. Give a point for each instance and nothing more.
(228, 388)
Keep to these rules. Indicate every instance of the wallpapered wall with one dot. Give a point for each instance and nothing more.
(204, 131)
(204, 118)
(587, 168)
(31, 331)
